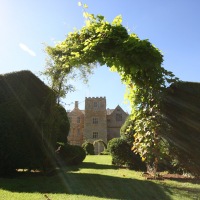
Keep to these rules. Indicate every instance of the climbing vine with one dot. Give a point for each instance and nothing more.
(139, 64)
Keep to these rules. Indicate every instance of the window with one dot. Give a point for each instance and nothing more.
(78, 120)
(78, 131)
(95, 104)
(95, 120)
(95, 135)
(118, 117)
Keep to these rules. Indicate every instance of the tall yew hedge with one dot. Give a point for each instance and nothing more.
(27, 122)
(181, 107)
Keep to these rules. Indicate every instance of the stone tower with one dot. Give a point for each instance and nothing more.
(76, 117)
(95, 125)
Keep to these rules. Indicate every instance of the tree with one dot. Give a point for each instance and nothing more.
(137, 61)
(60, 77)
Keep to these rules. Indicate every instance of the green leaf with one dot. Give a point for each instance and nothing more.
(85, 14)
(85, 6)
(117, 21)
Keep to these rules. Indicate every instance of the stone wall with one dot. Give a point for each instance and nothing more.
(115, 121)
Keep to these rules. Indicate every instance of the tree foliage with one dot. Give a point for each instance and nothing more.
(139, 64)
(61, 79)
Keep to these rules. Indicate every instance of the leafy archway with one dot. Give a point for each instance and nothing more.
(139, 64)
(102, 142)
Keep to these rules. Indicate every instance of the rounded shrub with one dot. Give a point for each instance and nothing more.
(70, 155)
(88, 147)
(122, 155)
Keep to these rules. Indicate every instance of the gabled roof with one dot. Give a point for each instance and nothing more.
(76, 110)
(109, 111)
(118, 108)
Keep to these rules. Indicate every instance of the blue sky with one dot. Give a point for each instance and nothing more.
(173, 26)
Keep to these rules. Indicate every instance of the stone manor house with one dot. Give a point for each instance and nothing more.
(95, 122)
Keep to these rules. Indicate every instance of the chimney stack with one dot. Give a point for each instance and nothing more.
(76, 104)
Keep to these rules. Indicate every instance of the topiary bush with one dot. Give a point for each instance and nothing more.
(70, 155)
(88, 147)
(122, 155)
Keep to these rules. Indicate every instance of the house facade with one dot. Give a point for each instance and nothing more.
(95, 122)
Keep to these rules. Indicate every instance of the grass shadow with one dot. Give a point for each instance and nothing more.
(89, 165)
(103, 186)
(92, 165)
(185, 180)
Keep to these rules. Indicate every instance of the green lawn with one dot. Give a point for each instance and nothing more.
(95, 179)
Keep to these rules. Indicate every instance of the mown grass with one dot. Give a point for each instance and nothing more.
(95, 179)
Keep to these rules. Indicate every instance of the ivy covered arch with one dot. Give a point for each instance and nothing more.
(139, 64)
